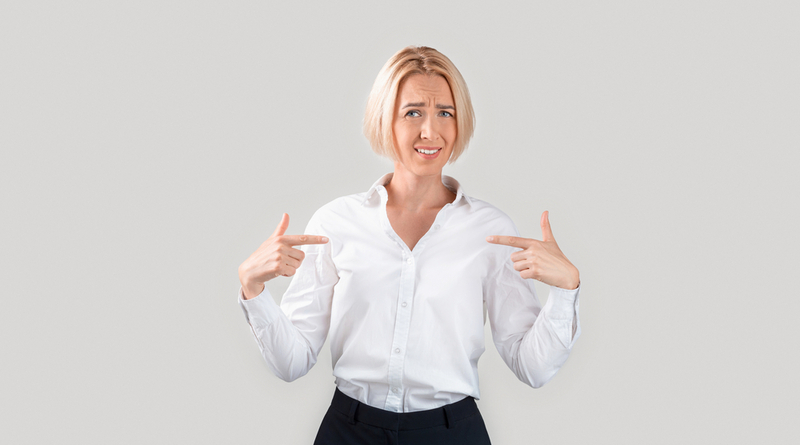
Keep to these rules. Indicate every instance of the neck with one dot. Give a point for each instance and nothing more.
(412, 192)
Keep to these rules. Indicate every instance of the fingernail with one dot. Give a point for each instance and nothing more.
(324, 239)
(490, 238)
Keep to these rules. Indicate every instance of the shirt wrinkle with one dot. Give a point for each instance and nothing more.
(406, 327)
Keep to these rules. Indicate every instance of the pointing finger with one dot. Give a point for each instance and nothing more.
(514, 241)
(296, 240)
(547, 232)
(284, 224)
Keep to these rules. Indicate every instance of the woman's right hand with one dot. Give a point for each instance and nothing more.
(276, 257)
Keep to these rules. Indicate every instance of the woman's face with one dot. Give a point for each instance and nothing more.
(424, 124)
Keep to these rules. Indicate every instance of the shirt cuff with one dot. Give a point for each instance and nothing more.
(261, 310)
(563, 303)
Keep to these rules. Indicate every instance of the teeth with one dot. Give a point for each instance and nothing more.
(427, 152)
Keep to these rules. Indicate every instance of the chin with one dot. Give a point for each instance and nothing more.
(420, 167)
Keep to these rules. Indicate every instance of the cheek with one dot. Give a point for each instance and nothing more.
(397, 129)
(452, 132)
(404, 133)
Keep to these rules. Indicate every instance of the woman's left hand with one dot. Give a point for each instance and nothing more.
(541, 260)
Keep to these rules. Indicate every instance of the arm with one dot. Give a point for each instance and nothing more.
(534, 342)
(290, 336)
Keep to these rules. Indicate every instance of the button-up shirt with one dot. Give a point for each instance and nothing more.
(406, 325)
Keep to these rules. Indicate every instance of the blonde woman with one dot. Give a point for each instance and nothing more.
(401, 278)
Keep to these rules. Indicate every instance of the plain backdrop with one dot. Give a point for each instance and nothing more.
(149, 147)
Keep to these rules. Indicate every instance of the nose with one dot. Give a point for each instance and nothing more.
(429, 129)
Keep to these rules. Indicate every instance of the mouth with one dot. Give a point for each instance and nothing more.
(428, 152)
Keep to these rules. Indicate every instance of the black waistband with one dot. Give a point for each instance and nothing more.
(446, 415)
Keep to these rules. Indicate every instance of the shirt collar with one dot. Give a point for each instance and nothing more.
(451, 184)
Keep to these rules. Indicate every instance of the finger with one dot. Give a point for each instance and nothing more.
(547, 232)
(519, 266)
(514, 241)
(296, 254)
(530, 274)
(521, 255)
(291, 262)
(290, 266)
(297, 240)
(284, 224)
(286, 269)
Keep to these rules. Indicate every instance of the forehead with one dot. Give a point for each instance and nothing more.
(423, 87)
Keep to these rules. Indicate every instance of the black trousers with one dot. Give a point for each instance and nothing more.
(349, 422)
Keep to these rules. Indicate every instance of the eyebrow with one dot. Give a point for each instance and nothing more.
(422, 104)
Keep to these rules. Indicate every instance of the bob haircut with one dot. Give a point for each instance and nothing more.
(408, 61)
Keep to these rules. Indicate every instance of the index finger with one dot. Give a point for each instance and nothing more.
(296, 240)
(514, 241)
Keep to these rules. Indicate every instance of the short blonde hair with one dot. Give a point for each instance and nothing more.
(381, 103)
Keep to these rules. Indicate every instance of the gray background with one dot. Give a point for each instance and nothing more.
(149, 147)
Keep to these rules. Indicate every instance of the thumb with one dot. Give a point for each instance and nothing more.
(547, 232)
(284, 224)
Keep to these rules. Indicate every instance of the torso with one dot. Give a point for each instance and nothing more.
(452, 273)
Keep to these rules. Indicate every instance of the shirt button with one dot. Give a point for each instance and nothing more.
(404, 304)
(410, 261)
(397, 350)
(395, 390)
(436, 227)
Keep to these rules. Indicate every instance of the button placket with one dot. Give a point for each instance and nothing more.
(394, 398)
(394, 401)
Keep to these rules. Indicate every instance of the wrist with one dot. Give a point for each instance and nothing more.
(251, 290)
(573, 282)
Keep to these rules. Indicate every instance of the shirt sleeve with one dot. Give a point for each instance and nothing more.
(291, 336)
(533, 341)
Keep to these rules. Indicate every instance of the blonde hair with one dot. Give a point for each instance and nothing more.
(381, 103)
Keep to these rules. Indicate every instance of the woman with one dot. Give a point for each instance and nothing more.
(399, 278)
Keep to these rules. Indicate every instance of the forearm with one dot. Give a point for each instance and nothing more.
(546, 346)
(286, 351)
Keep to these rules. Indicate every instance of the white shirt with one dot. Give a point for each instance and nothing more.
(406, 326)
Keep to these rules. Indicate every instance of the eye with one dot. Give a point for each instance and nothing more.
(413, 113)
(446, 114)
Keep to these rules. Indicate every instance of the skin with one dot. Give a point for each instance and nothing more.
(275, 258)
(424, 118)
(541, 260)
(416, 193)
